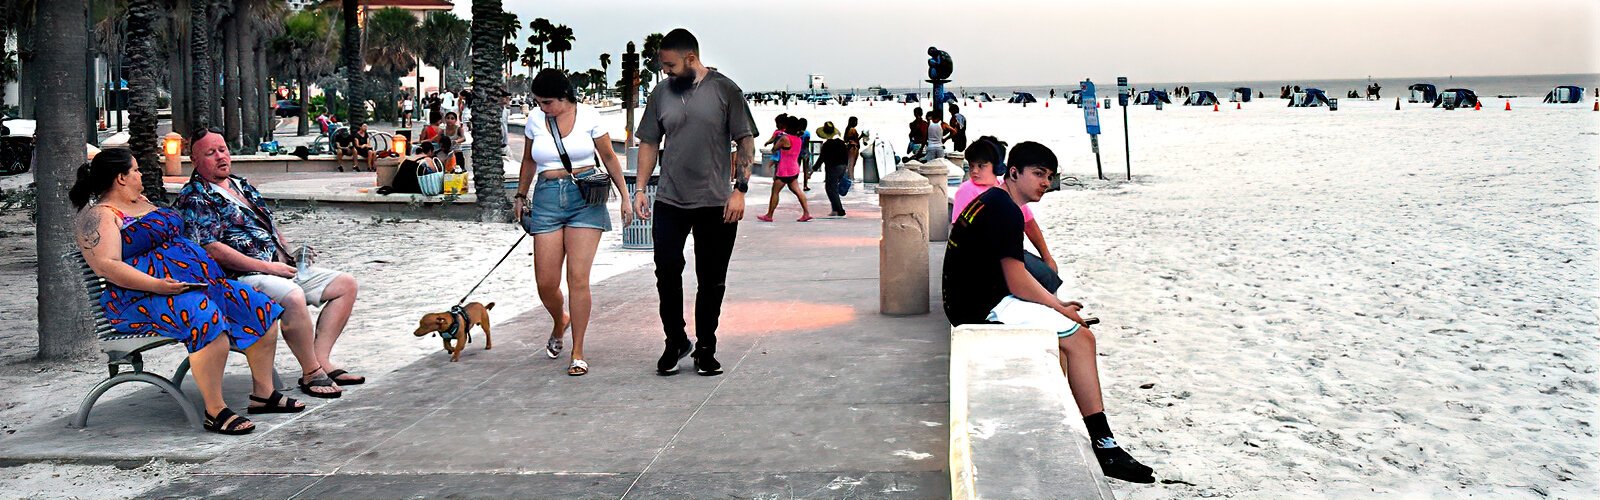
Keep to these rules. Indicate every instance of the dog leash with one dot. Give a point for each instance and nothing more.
(491, 270)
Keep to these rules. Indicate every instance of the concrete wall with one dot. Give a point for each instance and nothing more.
(1015, 431)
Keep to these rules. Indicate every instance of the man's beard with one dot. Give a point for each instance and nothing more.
(681, 84)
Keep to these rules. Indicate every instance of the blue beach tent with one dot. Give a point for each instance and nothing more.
(1240, 94)
(1565, 94)
(1424, 92)
(1152, 97)
(1075, 97)
(1201, 98)
(1309, 98)
(983, 97)
(1457, 98)
(1022, 98)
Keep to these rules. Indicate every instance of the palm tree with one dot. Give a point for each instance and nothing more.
(605, 68)
(202, 75)
(530, 59)
(509, 25)
(597, 78)
(141, 47)
(350, 56)
(265, 22)
(650, 53)
(487, 160)
(391, 52)
(64, 327)
(541, 35)
(444, 41)
(306, 50)
(561, 39)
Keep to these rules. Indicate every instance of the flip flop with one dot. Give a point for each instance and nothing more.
(552, 347)
(805, 218)
(579, 368)
(319, 381)
(354, 380)
(276, 403)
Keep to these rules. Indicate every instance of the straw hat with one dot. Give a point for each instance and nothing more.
(827, 131)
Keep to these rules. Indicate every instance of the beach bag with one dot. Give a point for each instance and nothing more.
(844, 185)
(455, 183)
(596, 188)
(430, 178)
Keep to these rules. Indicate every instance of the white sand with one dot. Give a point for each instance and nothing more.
(1329, 304)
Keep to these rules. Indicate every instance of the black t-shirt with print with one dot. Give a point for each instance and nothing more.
(989, 229)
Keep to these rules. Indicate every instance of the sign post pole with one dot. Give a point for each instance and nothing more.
(1091, 121)
(1122, 100)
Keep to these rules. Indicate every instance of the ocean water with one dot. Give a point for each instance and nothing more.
(1486, 86)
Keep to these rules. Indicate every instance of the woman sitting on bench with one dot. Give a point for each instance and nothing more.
(159, 282)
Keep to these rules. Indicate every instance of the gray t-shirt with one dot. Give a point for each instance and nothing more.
(698, 126)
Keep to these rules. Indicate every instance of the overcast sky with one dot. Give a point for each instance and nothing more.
(770, 45)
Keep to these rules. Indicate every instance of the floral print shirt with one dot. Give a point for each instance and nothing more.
(212, 217)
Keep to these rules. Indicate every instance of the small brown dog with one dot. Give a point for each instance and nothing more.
(456, 324)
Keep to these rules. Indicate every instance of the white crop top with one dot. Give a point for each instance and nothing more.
(579, 141)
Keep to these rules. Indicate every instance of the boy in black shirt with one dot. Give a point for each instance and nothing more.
(985, 281)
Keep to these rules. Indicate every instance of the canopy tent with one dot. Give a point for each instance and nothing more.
(1022, 98)
(1240, 94)
(1565, 94)
(1152, 97)
(1075, 97)
(1456, 98)
(1424, 92)
(983, 97)
(1309, 98)
(1201, 98)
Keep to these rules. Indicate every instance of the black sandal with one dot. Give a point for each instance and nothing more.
(227, 422)
(276, 403)
(357, 380)
(319, 381)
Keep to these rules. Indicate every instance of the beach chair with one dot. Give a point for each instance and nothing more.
(128, 349)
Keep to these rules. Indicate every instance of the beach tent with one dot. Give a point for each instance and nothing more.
(1201, 98)
(1424, 92)
(1022, 98)
(1309, 98)
(949, 96)
(909, 97)
(1240, 94)
(983, 97)
(1564, 94)
(1456, 98)
(1075, 97)
(1152, 97)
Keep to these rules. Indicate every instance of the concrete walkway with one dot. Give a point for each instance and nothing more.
(822, 398)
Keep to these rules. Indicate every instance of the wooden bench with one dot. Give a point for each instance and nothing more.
(124, 349)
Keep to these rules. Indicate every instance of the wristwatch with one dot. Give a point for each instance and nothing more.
(743, 185)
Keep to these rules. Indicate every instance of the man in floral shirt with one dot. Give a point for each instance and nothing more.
(227, 216)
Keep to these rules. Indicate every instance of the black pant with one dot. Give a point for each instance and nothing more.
(713, 247)
(834, 174)
(1041, 272)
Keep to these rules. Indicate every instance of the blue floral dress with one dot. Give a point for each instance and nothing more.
(155, 244)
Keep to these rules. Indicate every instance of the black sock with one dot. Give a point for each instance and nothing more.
(1099, 431)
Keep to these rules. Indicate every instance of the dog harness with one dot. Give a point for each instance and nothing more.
(460, 315)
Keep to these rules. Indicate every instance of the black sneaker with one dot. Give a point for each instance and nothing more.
(1117, 464)
(705, 363)
(668, 364)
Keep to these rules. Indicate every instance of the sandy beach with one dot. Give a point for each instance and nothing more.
(1296, 302)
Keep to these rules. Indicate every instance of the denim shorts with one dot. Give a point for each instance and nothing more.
(558, 203)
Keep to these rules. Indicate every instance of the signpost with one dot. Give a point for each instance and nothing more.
(1122, 100)
(1091, 121)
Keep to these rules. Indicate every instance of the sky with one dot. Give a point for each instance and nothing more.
(775, 45)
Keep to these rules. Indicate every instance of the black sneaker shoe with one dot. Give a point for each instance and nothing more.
(705, 363)
(1117, 464)
(668, 364)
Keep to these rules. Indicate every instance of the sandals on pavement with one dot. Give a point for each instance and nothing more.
(552, 347)
(803, 218)
(320, 380)
(351, 380)
(579, 368)
(229, 423)
(276, 403)
(763, 218)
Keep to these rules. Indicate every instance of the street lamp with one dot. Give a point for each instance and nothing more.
(171, 145)
(400, 145)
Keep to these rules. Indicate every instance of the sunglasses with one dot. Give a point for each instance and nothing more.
(201, 132)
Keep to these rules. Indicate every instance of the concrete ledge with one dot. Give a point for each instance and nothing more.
(246, 165)
(1015, 431)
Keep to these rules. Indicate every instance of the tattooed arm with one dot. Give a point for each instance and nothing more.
(101, 242)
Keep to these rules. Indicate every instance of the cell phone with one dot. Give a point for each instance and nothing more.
(194, 286)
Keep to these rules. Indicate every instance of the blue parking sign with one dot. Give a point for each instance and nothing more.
(1091, 107)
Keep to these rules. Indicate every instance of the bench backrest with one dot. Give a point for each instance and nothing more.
(94, 285)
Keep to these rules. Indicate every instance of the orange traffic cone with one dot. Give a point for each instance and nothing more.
(1508, 105)
(980, 104)
(1046, 103)
(1214, 107)
(1597, 105)
(1238, 105)
(1397, 104)
(1479, 105)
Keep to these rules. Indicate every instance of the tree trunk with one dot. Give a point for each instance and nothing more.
(65, 325)
(202, 74)
(264, 89)
(231, 105)
(249, 85)
(355, 89)
(141, 47)
(28, 63)
(489, 143)
(178, 78)
(305, 105)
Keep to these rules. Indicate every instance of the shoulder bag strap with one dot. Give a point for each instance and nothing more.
(555, 131)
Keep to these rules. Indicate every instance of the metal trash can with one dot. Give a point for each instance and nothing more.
(639, 235)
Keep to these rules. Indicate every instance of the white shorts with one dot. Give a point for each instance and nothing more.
(313, 282)
(1013, 311)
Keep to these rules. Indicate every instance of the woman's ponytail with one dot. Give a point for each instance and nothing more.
(96, 177)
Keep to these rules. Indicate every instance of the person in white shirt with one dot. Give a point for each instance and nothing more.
(565, 225)
(447, 101)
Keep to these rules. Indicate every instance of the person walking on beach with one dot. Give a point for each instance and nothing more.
(833, 158)
(566, 143)
(777, 132)
(919, 133)
(985, 281)
(788, 172)
(958, 123)
(702, 187)
(852, 140)
(407, 108)
(936, 135)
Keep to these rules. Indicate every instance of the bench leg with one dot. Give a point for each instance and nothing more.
(189, 411)
(183, 370)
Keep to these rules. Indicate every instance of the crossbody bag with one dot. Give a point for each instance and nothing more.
(596, 188)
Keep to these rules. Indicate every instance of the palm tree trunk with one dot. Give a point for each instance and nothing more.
(489, 142)
(351, 49)
(305, 105)
(65, 327)
(231, 105)
(141, 47)
(201, 73)
(263, 89)
(178, 78)
(28, 64)
(249, 85)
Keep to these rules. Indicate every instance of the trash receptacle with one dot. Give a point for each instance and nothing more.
(638, 235)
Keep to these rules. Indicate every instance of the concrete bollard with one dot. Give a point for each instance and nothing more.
(959, 159)
(938, 174)
(903, 248)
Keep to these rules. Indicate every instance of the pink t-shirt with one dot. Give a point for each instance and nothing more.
(968, 192)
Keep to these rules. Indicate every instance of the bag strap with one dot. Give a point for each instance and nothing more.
(555, 131)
